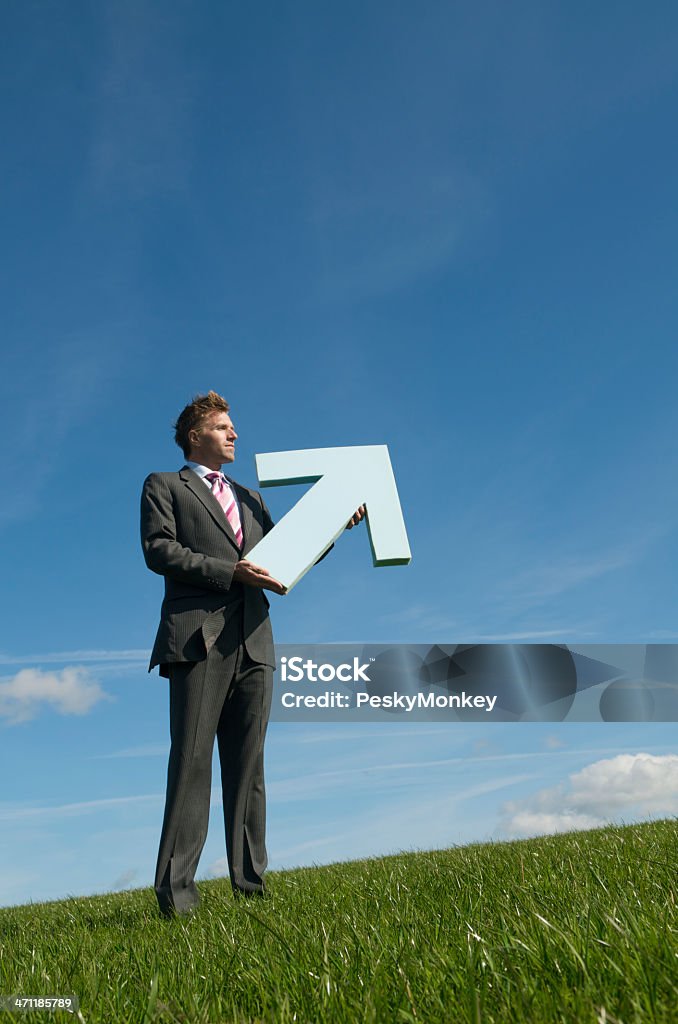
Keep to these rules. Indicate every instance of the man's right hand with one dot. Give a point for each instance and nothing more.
(254, 576)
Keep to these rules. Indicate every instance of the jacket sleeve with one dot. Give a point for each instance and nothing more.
(162, 551)
(267, 522)
(324, 554)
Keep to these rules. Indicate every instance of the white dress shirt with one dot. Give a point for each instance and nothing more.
(202, 472)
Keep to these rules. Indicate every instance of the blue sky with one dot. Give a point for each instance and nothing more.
(450, 230)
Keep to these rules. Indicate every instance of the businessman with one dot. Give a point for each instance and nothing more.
(214, 644)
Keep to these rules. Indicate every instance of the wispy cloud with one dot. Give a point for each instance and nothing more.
(73, 810)
(51, 393)
(72, 691)
(61, 657)
(555, 578)
(430, 620)
(394, 264)
(149, 750)
(391, 828)
(142, 126)
(124, 880)
(535, 635)
(291, 853)
(16, 880)
(632, 785)
(402, 224)
(390, 774)
(344, 733)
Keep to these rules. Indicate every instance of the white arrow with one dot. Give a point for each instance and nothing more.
(344, 478)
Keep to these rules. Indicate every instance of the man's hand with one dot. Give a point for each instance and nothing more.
(254, 576)
(356, 517)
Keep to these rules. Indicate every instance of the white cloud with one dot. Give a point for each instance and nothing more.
(629, 786)
(218, 868)
(72, 691)
(532, 823)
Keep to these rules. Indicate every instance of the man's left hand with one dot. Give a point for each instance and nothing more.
(356, 517)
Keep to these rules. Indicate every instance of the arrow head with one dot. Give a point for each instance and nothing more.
(343, 479)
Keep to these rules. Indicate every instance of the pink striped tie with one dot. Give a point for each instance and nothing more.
(225, 497)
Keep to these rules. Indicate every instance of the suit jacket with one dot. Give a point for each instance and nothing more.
(187, 538)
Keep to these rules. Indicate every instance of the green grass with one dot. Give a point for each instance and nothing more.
(579, 928)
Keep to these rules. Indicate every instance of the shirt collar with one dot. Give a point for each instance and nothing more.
(202, 471)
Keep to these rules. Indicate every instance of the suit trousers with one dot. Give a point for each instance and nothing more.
(227, 696)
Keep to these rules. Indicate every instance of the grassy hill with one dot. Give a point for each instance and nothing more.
(579, 928)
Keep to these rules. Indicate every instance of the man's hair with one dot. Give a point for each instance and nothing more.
(193, 416)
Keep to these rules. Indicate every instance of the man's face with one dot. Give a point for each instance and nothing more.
(215, 440)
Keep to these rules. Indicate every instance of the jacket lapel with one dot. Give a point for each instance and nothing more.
(204, 494)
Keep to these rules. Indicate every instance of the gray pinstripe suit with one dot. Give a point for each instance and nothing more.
(215, 645)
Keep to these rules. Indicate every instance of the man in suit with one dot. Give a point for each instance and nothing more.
(214, 644)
